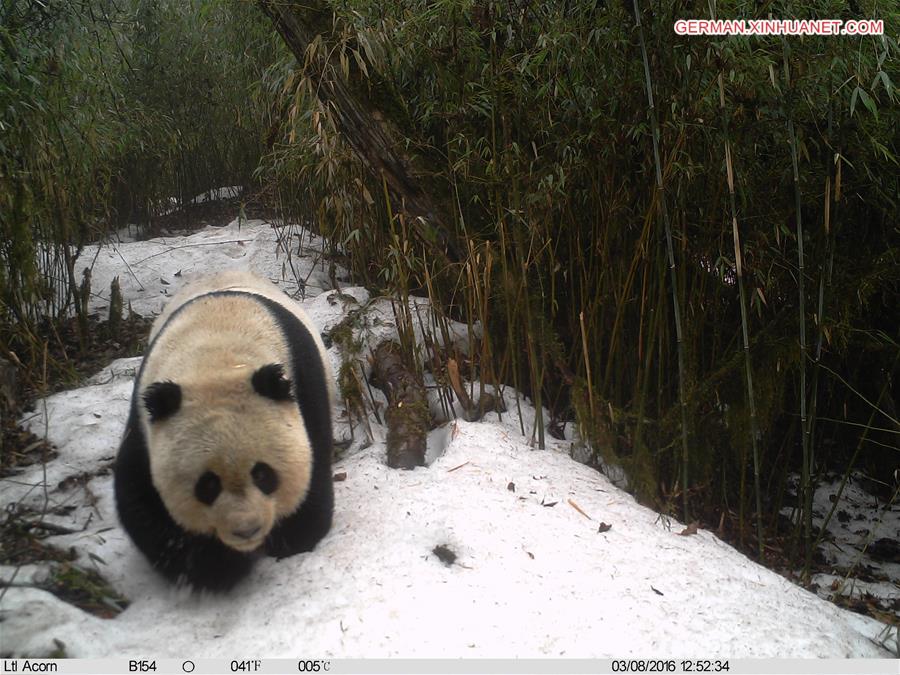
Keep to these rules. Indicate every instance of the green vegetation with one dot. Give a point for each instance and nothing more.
(109, 109)
(754, 200)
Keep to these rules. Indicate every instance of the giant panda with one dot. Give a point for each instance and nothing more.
(227, 449)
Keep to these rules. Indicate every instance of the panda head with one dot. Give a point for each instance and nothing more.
(229, 454)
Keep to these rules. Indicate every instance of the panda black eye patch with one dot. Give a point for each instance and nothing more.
(162, 399)
(264, 477)
(207, 488)
(271, 382)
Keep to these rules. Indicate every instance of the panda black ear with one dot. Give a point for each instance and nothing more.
(270, 381)
(162, 399)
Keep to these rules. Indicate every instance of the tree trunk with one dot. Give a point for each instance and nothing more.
(407, 415)
(366, 129)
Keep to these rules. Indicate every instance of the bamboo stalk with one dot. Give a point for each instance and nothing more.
(824, 279)
(660, 190)
(587, 366)
(745, 333)
(806, 469)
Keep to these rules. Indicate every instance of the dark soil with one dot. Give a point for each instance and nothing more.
(60, 362)
(21, 543)
(66, 362)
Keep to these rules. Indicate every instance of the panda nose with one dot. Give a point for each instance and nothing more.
(247, 532)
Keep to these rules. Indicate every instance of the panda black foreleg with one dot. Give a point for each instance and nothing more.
(204, 563)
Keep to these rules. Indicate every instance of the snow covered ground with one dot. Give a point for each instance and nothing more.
(533, 576)
(858, 547)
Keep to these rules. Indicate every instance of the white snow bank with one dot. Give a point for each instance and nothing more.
(531, 578)
(151, 271)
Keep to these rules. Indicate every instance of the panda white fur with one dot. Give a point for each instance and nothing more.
(227, 449)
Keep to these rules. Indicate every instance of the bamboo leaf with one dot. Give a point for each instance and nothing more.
(853, 98)
(868, 102)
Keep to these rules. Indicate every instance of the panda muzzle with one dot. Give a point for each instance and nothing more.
(247, 533)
